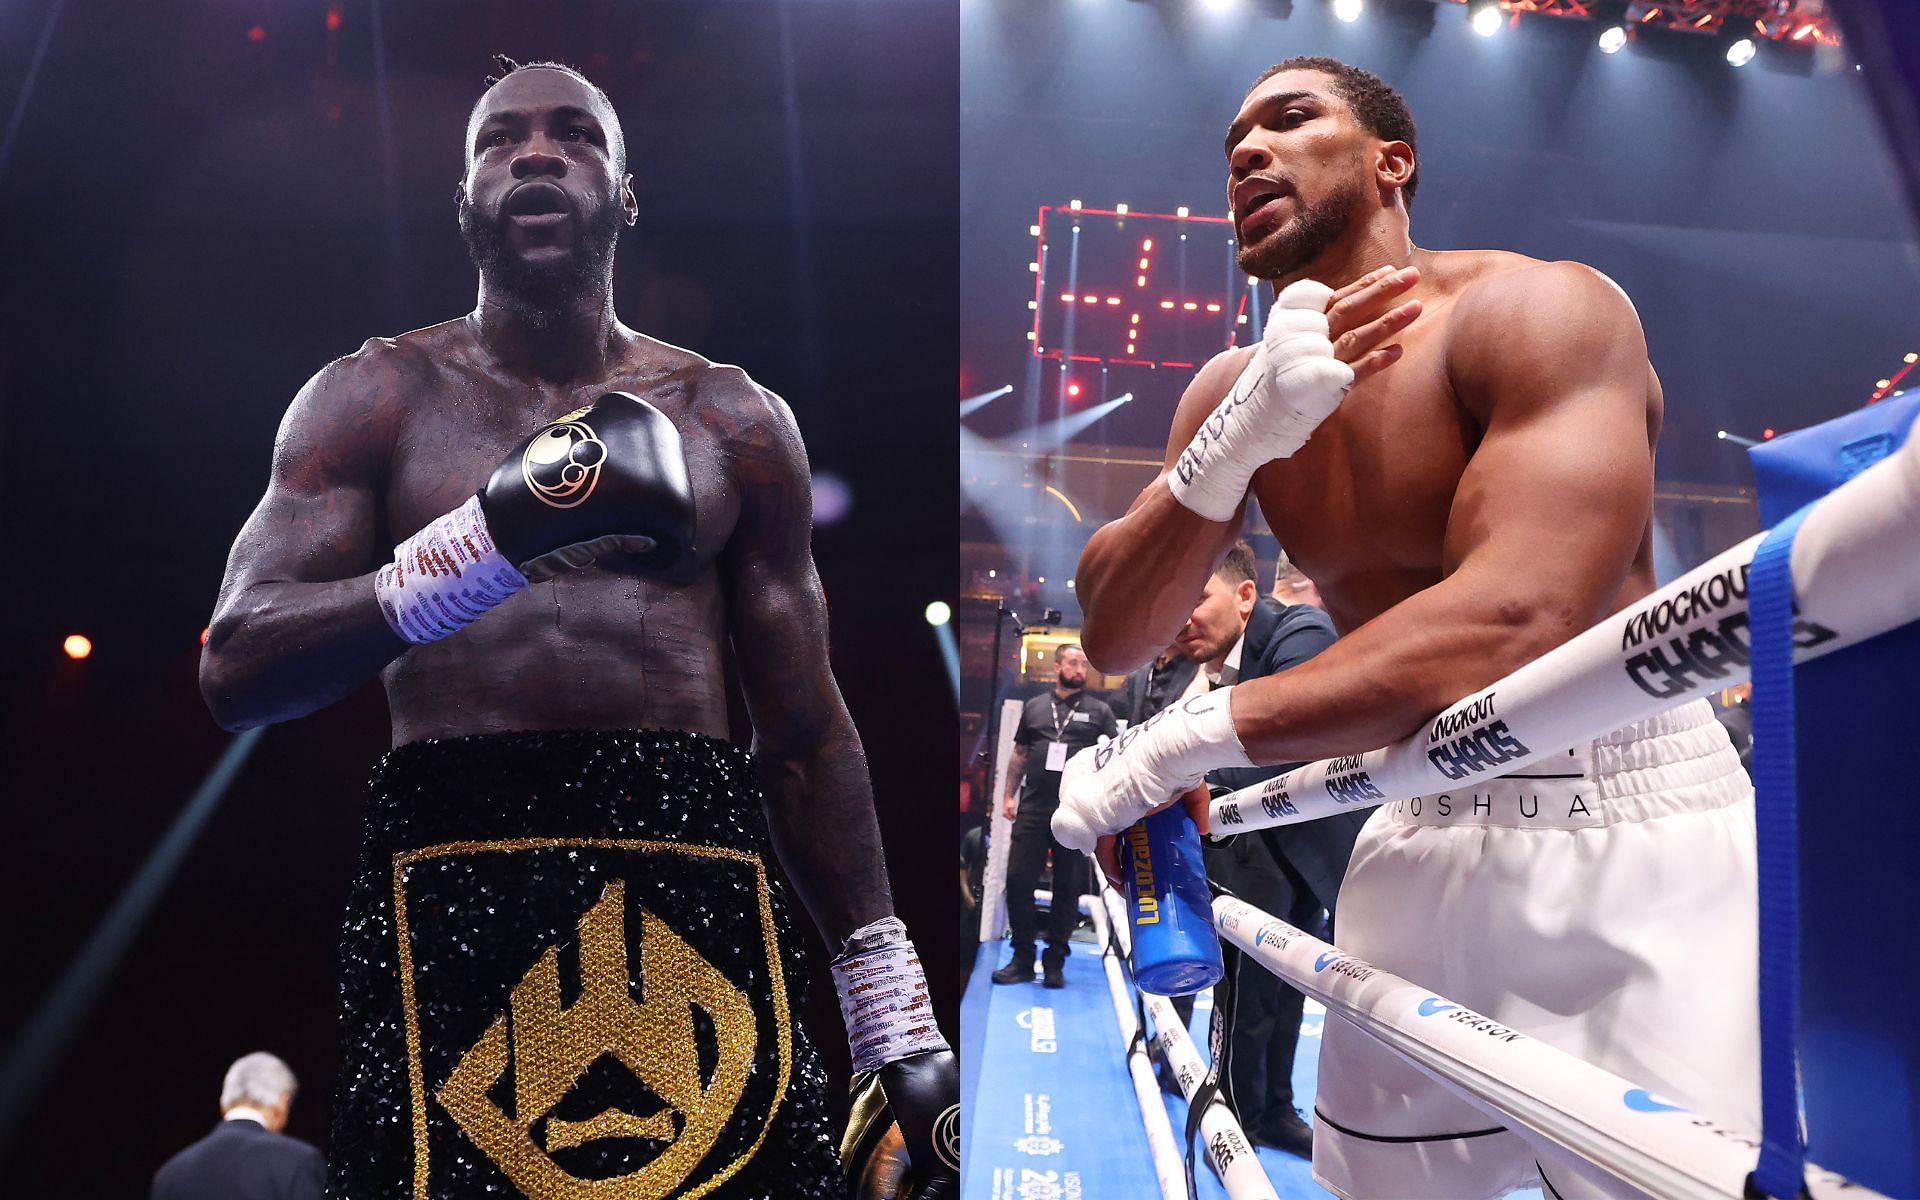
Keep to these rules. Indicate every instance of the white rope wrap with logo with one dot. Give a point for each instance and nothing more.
(1293, 383)
(1618, 1125)
(1856, 575)
(883, 997)
(1115, 782)
(443, 578)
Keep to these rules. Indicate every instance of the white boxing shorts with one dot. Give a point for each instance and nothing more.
(1602, 902)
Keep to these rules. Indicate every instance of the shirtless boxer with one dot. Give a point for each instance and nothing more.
(1476, 489)
(566, 968)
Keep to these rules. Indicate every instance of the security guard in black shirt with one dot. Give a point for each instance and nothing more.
(1053, 727)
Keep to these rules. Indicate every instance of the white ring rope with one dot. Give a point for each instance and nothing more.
(1168, 1165)
(1856, 574)
(1661, 1149)
(1225, 1143)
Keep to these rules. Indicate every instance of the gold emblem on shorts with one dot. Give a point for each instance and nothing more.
(562, 463)
(548, 1046)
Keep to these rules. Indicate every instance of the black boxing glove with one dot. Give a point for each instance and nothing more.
(903, 1138)
(907, 1110)
(610, 477)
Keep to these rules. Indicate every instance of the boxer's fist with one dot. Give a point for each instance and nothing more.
(910, 1104)
(611, 477)
(1110, 785)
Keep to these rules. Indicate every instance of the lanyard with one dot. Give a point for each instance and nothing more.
(1059, 720)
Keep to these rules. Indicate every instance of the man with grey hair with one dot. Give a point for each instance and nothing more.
(247, 1157)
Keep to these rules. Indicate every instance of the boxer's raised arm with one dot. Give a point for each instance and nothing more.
(819, 796)
(1546, 524)
(1140, 574)
(1543, 533)
(297, 626)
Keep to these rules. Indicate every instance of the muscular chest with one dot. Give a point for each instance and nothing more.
(453, 436)
(1362, 508)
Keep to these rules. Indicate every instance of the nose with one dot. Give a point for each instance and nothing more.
(535, 160)
(1248, 158)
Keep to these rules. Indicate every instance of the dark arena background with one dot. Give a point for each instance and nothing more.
(1727, 162)
(203, 203)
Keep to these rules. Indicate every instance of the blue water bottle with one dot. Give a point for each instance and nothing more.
(1175, 949)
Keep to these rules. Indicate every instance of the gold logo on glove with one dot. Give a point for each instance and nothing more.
(562, 463)
(549, 1046)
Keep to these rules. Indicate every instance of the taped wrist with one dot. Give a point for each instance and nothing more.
(883, 996)
(1129, 776)
(443, 578)
(1293, 383)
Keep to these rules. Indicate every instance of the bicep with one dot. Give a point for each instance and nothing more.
(1555, 501)
(777, 607)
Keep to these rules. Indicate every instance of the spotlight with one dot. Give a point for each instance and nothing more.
(1181, 211)
(1613, 39)
(77, 646)
(1074, 205)
(1033, 231)
(1348, 10)
(1741, 52)
(939, 613)
(1486, 19)
(1766, 435)
(1722, 435)
(1073, 389)
(1120, 210)
(1911, 358)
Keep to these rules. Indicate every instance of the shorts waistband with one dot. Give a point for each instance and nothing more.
(1677, 761)
(659, 784)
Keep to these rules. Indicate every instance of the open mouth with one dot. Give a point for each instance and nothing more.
(538, 204)
(1257, 201)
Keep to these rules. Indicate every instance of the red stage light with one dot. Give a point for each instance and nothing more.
(257, 34)
(1766, 435)
(77, 646)
(1073, 389)
(333, 18)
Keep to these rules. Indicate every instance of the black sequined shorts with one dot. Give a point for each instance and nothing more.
(565, 972)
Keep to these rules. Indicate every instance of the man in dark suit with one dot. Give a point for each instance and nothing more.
(246, 1157)
(1154, 686)
(1294, 871)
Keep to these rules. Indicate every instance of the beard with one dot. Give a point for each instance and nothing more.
(1306, 237)
(542, 290)
(1072, 685)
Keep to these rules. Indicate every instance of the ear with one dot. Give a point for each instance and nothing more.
(1395, 164)
(628, 204)
(1245, 595)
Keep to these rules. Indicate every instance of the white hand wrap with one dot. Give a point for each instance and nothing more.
(1293, 383)
(1117, 781)
(444, 577)
(883, 997)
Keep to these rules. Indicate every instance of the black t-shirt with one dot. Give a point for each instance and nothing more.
(1079, 721)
